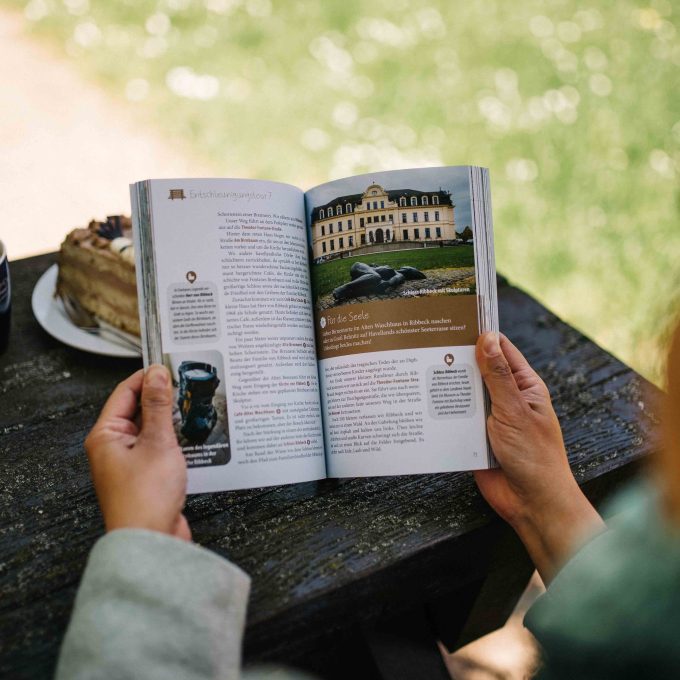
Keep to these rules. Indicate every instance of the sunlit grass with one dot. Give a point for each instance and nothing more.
(330, 275)
(574, 108)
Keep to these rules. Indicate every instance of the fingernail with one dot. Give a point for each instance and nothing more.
(157, 376)
(491, 346)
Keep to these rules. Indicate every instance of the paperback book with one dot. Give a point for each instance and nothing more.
(320, 333)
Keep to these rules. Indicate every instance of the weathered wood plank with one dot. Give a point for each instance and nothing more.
(325, 557)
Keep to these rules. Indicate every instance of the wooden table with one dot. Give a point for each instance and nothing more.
(380, 565)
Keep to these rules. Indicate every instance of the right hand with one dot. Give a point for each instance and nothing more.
(534, 489)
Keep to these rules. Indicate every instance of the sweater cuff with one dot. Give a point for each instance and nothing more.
(148, 600)
(177, 571)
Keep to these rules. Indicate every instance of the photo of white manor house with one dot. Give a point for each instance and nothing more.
(380, 220)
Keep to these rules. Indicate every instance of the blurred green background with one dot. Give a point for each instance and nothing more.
(573, 106)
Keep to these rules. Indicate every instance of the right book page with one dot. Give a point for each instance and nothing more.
(403, 282)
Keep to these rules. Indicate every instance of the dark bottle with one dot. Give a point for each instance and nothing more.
(5, 324)
(5, 299)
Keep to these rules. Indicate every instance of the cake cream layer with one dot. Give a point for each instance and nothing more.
(100, 277)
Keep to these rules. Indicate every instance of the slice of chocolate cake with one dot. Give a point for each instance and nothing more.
(97, 268)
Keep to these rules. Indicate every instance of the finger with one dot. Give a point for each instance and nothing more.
(124, 427)
(157, 407)
(124, 399)
(487, 480)
(525, 375)
(182, 529)
(101, 442)
(497, 373)
(532, 387)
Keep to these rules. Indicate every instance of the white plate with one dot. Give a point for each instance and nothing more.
(49, 312)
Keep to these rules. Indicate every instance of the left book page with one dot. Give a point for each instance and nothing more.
(224, 295)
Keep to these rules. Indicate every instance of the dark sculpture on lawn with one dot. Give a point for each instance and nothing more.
(373, 279)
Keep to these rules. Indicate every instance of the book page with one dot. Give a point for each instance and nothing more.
(397, 317)
(224, 280)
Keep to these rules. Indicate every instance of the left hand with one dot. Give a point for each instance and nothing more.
(139, 472)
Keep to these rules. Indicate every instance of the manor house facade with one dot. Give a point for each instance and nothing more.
(381, 216)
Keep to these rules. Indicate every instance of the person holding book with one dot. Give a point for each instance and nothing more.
(152, 604)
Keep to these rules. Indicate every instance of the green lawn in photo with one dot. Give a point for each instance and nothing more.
(330, 275)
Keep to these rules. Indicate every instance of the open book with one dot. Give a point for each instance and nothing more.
(327, 333)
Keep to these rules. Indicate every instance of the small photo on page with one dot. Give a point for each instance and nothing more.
(200, 406)
(405, 234)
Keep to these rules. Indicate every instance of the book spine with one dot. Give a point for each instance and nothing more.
(485, 265)
(147, 287)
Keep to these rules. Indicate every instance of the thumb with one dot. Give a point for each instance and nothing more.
(157, 406)
(497, 373)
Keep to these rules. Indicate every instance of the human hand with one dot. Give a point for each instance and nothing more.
(138, 470)
(534, 489)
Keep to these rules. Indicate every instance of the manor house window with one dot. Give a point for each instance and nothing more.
(424, 200)
(405, 234)
(427, 216)
(416, 235)
(435, 200)
(323, 247)
(414, 200)
(330, 212)
(436, 215)
(415, 217)
(402, 201)
(403, 218)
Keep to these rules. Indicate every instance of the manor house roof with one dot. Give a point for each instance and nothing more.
(392, 194)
